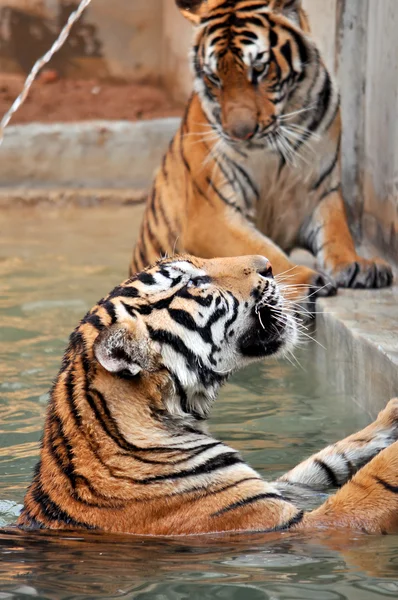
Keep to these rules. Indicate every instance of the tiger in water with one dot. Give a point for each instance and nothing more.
(255, 165)
(126, 447)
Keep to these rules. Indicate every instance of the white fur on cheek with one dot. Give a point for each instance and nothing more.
(176, 363)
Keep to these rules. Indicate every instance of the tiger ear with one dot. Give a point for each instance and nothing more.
(192, 10)
(124, 348)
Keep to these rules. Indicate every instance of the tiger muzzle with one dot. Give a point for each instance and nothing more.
(266, 334)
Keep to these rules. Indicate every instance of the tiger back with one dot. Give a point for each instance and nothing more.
(126, 446)
(255, 165)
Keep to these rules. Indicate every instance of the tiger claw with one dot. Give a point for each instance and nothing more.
(364, 274)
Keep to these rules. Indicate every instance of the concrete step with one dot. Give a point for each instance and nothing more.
(60, 197)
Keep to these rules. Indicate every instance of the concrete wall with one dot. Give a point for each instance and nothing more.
(380, 132)
(118, 38)
(177, 36)
(367, 60)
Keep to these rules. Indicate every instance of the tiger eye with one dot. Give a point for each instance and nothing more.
(259, 68)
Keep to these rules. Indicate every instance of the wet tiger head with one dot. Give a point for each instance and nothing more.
(253, 64)
(192, 322)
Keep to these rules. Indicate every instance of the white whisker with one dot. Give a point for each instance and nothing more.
(296, 360)
(289, 155)
(305, 144)
(175, 244)
(312, 339)
(297, 112)
(288, 270)
(303, 130)
(293, 149)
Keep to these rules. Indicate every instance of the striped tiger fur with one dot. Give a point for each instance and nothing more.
(258, 152)
(126, 446)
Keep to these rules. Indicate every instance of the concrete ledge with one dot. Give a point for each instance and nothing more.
(359, 330)
(11, 198)
(95, 154)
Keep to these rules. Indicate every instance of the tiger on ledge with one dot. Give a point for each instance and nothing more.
(126, 447)
(255, 165)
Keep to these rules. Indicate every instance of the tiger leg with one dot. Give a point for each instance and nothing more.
(336, 464)
(369, 502)
(235, 236)
(242, 501)
(329, 238)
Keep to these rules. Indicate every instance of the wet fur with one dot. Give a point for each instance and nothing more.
(126, 446)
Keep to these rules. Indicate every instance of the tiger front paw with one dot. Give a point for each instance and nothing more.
(364, 274)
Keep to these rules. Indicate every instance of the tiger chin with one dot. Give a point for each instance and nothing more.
(126, 448)
(255, 165)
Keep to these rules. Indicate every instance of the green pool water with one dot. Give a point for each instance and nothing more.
(54, 264)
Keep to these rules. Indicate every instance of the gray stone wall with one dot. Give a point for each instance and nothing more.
(367, 59)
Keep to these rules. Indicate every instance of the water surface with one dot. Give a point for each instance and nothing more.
(54, 264)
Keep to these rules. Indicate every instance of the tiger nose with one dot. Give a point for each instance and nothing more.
(243, 130)
(265, 268)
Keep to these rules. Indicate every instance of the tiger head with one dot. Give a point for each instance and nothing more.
(255, 67)
(189, 323)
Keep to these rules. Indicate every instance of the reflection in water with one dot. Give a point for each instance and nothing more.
(53, 267)
(255, 566)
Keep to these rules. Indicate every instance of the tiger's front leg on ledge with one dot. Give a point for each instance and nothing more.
(329, 238)
(336, 464)
(367, 460)
(234, 235)
(368, 503)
